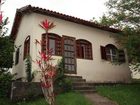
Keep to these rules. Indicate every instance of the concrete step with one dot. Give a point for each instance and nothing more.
(86, 91)
(74, 77)
(82, 83)
(78, 80)
(83, 87)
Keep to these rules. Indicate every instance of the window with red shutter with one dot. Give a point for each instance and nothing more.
(111, 53)
(17, 56)
(103, 53)
(121, 55)
(52, 41)
(26, 47)
(83, 49)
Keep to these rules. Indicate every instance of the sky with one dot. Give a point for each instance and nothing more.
(84, 9)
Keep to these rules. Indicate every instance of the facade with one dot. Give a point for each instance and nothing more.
(89, 50)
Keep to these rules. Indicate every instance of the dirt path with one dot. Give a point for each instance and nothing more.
(98, 99)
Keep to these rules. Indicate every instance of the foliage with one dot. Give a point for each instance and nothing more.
(29, 73)
(63, 99)
(6, 44)
(122, 94)
(125, 15)
(6, 52)
(61, 81)
(5, 83)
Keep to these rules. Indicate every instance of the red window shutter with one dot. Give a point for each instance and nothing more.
(17, 56)
(83, 49)
(24, 50)
(103, 53)
(26, 47)
(58, 46)
(43, 43)
(121, 56)
(78, 51)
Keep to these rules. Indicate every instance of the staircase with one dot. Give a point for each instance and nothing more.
(80, 85)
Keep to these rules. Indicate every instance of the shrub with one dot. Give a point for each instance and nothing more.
(30, 75)
(5, 82)
(62, 83)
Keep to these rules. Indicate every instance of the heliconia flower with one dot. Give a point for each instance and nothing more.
(47, 25)
(51, 73)
(0, 17)
(43, 56)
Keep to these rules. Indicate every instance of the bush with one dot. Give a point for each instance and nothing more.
(62, 83)
(5, 83)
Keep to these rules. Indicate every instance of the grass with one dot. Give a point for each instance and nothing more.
(70, 98)
(122, 94)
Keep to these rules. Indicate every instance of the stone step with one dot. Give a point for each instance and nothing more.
(82, 83)
(86, 91)
(83, 87)
(78, 80)
(80, 77)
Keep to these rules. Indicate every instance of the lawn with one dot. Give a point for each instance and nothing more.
(70, 98)
(122, 94)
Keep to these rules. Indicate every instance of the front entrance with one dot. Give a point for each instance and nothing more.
(69, 54)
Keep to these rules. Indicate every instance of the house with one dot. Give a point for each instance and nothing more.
(89, 49)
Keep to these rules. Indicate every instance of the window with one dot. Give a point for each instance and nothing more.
(54, 43)
(26, 47)
(83, 49)
(111, 53)
(17, 56)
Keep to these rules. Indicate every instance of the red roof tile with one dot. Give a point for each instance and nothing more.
(38, 10)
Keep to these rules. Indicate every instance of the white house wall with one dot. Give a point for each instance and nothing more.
(96, 70)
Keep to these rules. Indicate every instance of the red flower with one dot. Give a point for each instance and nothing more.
(47, 25)
(0, 17)
(50, 73)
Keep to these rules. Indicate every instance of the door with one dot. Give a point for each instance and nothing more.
(69, 54)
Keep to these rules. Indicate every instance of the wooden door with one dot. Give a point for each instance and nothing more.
(69, 54)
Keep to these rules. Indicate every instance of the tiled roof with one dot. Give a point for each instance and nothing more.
(38, 10)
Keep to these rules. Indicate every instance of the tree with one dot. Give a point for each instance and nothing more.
(125, 15)
(6, 57)
(6, 52)
(6, 45)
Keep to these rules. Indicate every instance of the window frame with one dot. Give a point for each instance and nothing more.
(58, 43)
(86, 46)
(26, 47)
(110, 56)
(17, 56)
(120, 54)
